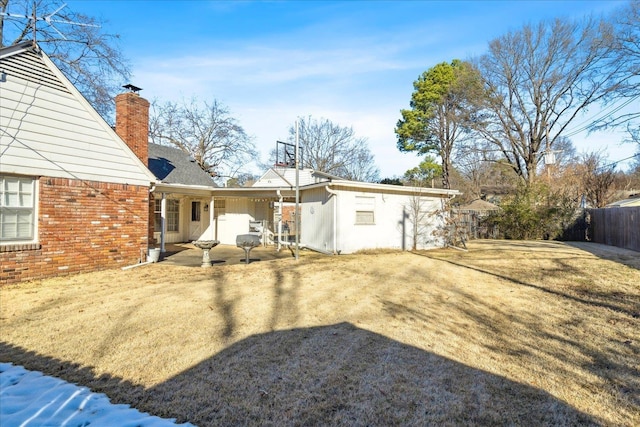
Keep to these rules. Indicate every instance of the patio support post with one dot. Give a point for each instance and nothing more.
(163, 222)
(211, 223)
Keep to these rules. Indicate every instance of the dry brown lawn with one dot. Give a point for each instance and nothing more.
(533, 333)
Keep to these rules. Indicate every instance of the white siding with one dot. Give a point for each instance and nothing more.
(392, 222)
(286, 177)
(50, 130)
(271, 179)
(317, 219)
(235, 221)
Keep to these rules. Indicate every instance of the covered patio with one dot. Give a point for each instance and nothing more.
(187, 255)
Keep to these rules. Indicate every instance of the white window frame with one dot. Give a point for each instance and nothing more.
(157, 215)
(365, 207)
(23, 201)
(172, 221)
(220, 208)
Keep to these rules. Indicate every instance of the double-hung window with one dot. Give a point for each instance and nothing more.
(173, 215)
(365, 207)
(17, 208)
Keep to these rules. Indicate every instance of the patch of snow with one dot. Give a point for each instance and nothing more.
(29, 398)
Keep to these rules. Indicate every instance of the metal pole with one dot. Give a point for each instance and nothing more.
(297, 196)
(163, 221)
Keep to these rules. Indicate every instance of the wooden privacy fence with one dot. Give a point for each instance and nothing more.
(616, 227)
(470, 225)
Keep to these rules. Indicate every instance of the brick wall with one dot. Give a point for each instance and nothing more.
(132, 123)
(82, 226)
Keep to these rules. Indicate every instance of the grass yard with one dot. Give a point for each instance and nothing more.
(509, 332)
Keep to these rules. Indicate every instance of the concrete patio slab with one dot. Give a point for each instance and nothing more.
(187, 255)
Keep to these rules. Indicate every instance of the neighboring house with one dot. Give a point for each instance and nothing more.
(469, 219)
(73, 196)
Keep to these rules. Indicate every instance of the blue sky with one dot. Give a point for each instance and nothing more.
(352, 62)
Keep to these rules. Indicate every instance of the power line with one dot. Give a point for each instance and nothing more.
(621, 160)
(592, 121)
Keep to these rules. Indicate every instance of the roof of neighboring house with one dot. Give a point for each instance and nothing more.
(626, 203)
(174, 166)
(50, 129)
(479, 205)
(286, 177)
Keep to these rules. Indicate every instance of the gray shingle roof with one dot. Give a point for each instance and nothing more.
(174, 166)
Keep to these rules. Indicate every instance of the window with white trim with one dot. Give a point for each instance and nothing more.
(173, 215)
(219, 207)
(17, 208)
(365, 208)
(157, 216)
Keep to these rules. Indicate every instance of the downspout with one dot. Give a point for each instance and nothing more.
(335, 218)
(212, 232)
(151, 190)
(280, 201)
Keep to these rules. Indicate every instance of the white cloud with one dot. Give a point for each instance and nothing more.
(326, 66)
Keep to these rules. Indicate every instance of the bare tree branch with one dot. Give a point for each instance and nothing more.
(539, 80)
(335, 149)
(207, 131)
(88, 56)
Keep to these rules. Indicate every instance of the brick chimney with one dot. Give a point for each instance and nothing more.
(132, 123)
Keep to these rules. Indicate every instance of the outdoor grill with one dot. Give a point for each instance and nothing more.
(247, 242)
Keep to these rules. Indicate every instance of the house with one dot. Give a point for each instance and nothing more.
(74, 197)
(185, 191)
(470, 219)
(78, 195)
(342, 216)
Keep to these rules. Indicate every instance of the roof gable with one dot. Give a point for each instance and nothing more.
(286, 177)
(50, 129)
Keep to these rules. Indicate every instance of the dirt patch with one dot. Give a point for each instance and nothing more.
(506, 333)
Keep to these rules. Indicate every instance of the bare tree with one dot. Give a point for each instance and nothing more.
(335, 149)
(419, 218)
(540, 79)
(86, 54)
(597, 178)
(626, 44)
(206, 131)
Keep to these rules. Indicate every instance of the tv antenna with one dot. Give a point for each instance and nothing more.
(49, 19)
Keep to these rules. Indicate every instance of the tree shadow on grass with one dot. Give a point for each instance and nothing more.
(329, 375)
(588, 297)
(612, 253)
